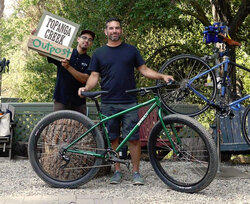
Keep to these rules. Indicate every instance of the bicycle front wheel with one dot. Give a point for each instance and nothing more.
(178, 98)
(188, 164)
(48, 140)
(245, 124)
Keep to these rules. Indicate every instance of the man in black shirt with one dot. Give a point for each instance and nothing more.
(72, 74)
(115, 63)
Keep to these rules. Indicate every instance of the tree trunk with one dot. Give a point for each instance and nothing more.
(222, 13)
(58, 135)
(1, 8)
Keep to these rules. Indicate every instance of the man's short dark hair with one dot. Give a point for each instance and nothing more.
(114, 19)
(88, 32)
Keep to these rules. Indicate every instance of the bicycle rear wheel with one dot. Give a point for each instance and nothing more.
(190, 163)
(56, 131)
(245, 124)
(178, 98)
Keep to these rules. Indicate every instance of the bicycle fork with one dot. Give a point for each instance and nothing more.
(178, 140)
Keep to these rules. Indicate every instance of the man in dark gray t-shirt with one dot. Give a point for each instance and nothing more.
(116, 63)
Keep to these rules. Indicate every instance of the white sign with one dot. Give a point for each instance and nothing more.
(56, 31)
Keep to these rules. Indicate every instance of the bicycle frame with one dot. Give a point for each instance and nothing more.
(223, 87)
(155, 103)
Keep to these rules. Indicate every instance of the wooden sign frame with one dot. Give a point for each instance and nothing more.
(54, 31)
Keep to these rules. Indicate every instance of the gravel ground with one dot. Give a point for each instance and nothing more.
(18, 179)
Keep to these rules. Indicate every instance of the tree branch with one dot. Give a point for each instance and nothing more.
(223, 9)
(239, 18)
(198, 14)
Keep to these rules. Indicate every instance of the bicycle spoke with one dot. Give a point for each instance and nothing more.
(48, 149)
(186, 161)
(175, 97)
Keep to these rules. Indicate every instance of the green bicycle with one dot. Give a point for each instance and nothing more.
(66, 149)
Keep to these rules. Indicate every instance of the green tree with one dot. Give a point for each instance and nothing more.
(159, 28)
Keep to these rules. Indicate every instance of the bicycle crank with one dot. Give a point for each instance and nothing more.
(113, 157)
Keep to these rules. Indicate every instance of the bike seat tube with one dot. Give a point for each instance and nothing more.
(225, 71)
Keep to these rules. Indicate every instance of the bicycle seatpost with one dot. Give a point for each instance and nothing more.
(97, 105)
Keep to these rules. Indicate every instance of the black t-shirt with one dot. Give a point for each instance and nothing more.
(116, 66)
(66, 88)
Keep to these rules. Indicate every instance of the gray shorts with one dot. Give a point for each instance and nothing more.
(125, 123)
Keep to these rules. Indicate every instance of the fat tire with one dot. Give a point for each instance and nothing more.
(159, 163)
(33, 143)
(245, 124)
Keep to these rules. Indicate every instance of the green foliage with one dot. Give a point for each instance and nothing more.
(43, 74)
(159, 28)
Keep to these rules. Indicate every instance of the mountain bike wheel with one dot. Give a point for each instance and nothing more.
(178, 98)
(48, 138)
(245, 124)
(192, 165)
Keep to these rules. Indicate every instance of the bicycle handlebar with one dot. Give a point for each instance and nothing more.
(145, 90)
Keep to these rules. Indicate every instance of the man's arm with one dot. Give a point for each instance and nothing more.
(91, 83)
(149, 73)
(79, 76)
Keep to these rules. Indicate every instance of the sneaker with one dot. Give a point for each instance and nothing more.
(116, 178)
(137, 179)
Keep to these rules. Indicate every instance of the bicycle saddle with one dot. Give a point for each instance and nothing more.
(229, 41)
(93, 94)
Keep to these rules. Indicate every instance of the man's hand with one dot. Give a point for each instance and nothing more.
(168, 78)
(80, 91)
(33, 32)
(65, 63)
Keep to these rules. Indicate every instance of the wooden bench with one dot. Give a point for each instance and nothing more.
(148, 124)
(231, 136)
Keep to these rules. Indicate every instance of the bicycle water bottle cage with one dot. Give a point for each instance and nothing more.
(211, 33)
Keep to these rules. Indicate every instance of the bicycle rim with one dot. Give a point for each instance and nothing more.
(177, 98)
(48, 139)
(246, 124)
(191, 163)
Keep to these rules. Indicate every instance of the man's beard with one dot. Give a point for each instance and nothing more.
(83, 48)
(115, 38)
